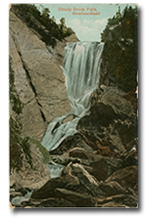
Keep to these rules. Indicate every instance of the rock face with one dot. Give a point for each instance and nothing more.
(39, 79)
(36, 176)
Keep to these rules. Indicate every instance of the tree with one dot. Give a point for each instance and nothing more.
(45, 13)
(121, 51)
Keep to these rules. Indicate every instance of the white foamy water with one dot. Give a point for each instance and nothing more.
(81, 68)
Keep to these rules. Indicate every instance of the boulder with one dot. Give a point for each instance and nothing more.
(75, 185)
(76, 140)
(113, 204)
(82, 153)
(83, 176)
(100, 169)
(126, 177)
(112, 188)
(17, 190)
(114, 97)
(80, 200)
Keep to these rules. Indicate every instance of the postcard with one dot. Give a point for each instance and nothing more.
(73, 93)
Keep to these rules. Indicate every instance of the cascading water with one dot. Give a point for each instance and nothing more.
(81, 68)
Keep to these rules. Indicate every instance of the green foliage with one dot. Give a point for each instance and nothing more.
(19, 146)
(45, 13)
(43, 150)
(15, 145)
(63, 28)
(120, 53)
(26, 150)
(52, 31)
(17, 106)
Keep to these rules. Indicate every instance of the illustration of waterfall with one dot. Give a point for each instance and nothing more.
(81, 68)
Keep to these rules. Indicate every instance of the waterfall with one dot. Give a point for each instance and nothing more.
(81, 68)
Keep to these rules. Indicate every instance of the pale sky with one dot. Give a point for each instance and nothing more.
(86, 27)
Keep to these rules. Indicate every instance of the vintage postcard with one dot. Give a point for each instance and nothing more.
(73, 88)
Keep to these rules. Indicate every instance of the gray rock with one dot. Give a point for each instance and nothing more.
(39, 79)
(32, 121)
(114, 98)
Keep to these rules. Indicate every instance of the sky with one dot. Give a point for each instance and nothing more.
(86, 27)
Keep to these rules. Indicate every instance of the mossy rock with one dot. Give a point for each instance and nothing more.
(43, 150)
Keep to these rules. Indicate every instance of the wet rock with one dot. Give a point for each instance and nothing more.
(104, 167)
(128, 128)
(114, 198)
(126, 177)
(17, 200)
(80, 200)
(70, 142)
(64, 159)
(113, 204)
(88, 184)
(57, 202)
(130, 201)
(17, 190)
(115, 98)
(100, 169)
(112, 188)
(82, 153)
(75, 182)
(97, 165)
(83, 176)
(120, 200)
(49, 189)
(50, 202)
(99, 129)
(129, 156)
(102, 114)
(122, 103)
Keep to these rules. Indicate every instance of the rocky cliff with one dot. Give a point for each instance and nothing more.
(100, 161)
(39, 79)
